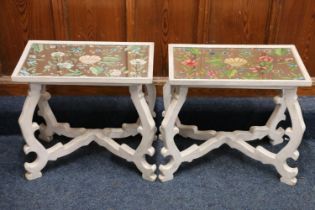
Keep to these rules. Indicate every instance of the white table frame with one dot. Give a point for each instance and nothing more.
(175, 93)
(143, 95)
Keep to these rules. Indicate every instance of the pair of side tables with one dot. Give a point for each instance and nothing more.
(131, 64)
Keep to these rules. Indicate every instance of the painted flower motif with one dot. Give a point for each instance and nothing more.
(265, 58)
(235, 62)
(138, 61)
(190, 62)
(32, 62)
(65, 65)
(90, 59)
(76, 49)
(257, 68)
(57, 54)
(211, 74)
(24, 72)
(115, 73)
(253, 69)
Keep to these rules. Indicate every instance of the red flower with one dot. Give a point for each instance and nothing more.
(190, 62)
(265, 58)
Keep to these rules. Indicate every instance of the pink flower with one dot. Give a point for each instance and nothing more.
(265, 58)
(257, 68)
(190, 62)
(253, 69)
(211, 74)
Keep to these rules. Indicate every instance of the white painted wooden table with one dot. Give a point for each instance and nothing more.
(86, 63)
(235, 66)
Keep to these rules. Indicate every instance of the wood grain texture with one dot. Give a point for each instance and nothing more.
(159, 21)
(59, 18)
(21, 20)
(163, 22)
(238, 21)
(203, 21)
(96, 20)
(296, 24)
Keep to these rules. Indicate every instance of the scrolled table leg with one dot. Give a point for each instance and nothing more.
(278, 115)
(295, 133)
(173, 103)
(46, 131)
(150, 97)
(33, 169)
(147, 129)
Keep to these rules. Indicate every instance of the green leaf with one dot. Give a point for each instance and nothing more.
(96, 70)
(38, 47)
(111, 59)
(230, 73)
(270, 67)
(280, 51)
(263, 63)
(123, 68)
(195, 51)
(76, 72)
(216, 62)
(133, 48)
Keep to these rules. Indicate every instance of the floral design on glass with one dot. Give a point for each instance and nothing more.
(86, 60)
(235, 63)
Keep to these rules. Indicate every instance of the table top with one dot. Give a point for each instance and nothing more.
(83, 62)
(257, 66)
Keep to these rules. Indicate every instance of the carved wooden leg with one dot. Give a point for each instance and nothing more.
(147, 129)
(278, 115)
(46, 131)
(295, 133)
(173, 104)
(33, 170)
(150, 97)
(236, 139)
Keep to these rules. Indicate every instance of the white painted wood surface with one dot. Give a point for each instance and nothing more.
(175, 93)
(174, 98)
(145, 126)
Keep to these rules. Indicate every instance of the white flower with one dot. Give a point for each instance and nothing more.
(57, 54)
(90, 59)
(236, 62)
(138, 61)
(115, 72)
(65, 65)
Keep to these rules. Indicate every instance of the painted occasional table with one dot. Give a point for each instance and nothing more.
(235, 66)
(87, 63)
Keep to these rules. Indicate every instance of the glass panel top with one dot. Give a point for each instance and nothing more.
(236, 63)
(89, 60)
